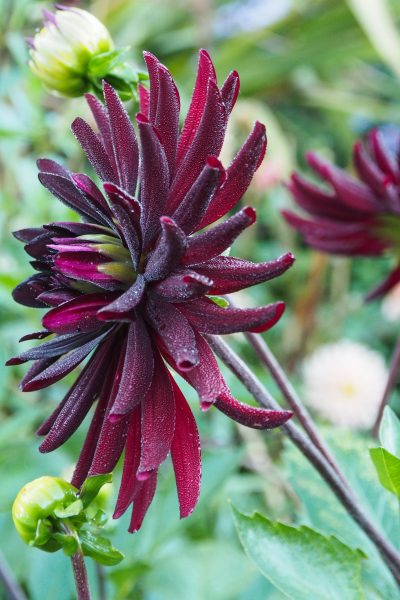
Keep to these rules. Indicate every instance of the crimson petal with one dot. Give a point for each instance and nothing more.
(230, 91)
(251, 416)
(182, 286)
(185, 454)
(142, 502)
(168, 252)
(238, 175)
(121, 309)
(94, 149)
(129, 483)
(77, 315)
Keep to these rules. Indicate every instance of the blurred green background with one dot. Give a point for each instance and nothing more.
(319, 73)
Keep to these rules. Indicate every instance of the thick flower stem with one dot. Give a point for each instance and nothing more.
(80, 576)
(289, 393)
(388, 553)
(393, 373)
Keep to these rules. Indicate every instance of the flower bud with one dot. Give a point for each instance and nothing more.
(63, 51)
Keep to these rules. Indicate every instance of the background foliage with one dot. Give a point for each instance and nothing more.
(319, 73)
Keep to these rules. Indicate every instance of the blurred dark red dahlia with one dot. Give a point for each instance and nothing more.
(131, 287)
(354, 217)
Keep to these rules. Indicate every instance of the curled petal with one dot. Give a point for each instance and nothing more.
(175, 331)
(46, 165)
(207, 317)
(122, 308)
(168, 252)
(213, 242)
(101, 117)
(192, 208)
(142, 502)
(154, 180)
(185, 454)
(124, 142)
(76, 315)
(167, 118)
(183, 286)
(251, 416)
(238, 175)
(130, 485)
(137, 371)
(27, 292)
(94, 150)
(230, 91)
(144, 100)
(233, 274)
(205, 73)
(158, 421)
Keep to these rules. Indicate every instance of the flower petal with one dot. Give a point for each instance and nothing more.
(122, 308)
(185, 454)
(207, 317)
(168, 251)
(182, 286)
(230, 91)
(238, 175)
(77, 315)
(233, 274)
(130, 485)
(94, 150)
(251, 416)
(142, 502)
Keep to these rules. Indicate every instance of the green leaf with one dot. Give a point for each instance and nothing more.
(301, 562)
(100, 65)
(92, 486)
(220, 301)
(389, 432)
(74, 509)
(388, 468)
(99, 548)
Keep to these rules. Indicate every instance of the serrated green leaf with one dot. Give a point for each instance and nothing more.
(301, 562)
(389, 432)
(388, 468)
(92, 486)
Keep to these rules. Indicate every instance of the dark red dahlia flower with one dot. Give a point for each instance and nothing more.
(131, 287)
(354, 217)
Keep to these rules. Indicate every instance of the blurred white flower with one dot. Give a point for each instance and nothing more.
(344, 383)
(390, 306)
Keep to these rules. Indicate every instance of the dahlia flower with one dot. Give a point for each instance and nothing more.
(354, 217)
(132, 287)
(344, 383)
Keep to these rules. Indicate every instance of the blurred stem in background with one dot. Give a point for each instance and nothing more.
(343, 492)
(393, 376)
(11, 586)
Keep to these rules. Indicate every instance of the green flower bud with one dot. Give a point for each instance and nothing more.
(50, 513)
(62, 51)
(34, 506)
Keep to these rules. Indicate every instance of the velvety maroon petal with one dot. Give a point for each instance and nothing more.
(27, 292)
(64, 365)
(192, 208)
(350, 191)
(167, 118)
(90, 444)
(326, 228)
(94, 150)
(230, 91)
(206, 378)
(144, 100)
(28, 234)
(175, 331)
(58, 296)
(121, 309)
(78, 401)
(142, 502)
(204, 144)
(182, 286)
(65, 190)
(55, 347)
(251, 416)
(129, 483)
(208, 317)
(83, 264)
(233, 274)
(77, 315)
(120, 197)
(205, 73)
(154, 180)
(36, 335)
(186, 454)
(126, 223)
(101, 117)
(94, 195)
(46, 165)
(238, 175)
(137, 371)
(124, 141)
(168, 251)
(111, 440)
(158, 421)
(215, 241)
(368, 170)
(152, 64)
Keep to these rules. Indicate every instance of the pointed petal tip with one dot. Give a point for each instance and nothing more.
(11, 362)
(144, 475)
(250, 212)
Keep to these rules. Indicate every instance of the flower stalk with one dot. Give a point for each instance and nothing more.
(393, 374)
(343, 492)
(80, 575)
